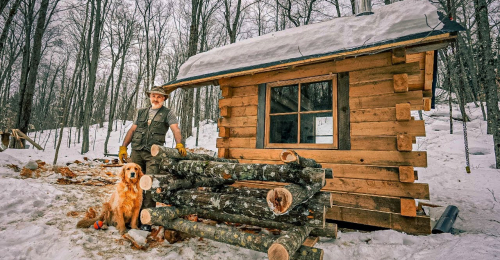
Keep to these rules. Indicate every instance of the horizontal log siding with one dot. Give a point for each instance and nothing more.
(381, 158)
(366, 187)
(419, 225)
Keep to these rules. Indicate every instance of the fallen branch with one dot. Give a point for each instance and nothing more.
(18, 134)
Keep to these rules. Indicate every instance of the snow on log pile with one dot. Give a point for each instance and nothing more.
(200, 184)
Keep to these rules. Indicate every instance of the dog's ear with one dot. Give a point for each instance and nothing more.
(122, 173)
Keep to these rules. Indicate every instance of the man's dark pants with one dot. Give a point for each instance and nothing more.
(149, 166)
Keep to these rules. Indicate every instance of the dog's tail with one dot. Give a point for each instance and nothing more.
(85, 223)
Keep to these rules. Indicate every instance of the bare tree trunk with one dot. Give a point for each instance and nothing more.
(337, 6)
(89, 101)
(8, 22)
(187, 112)
(232, 26)
(125, 37)
(27, 98)
(488, 79)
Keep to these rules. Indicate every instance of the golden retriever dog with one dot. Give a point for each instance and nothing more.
(125, 203)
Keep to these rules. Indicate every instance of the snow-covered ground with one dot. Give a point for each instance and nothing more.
(35, 219)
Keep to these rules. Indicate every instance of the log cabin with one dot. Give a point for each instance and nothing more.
(340, 92)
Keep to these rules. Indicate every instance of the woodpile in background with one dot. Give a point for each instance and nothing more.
(203, 185)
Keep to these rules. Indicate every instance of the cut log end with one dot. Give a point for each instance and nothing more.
(146, 182)
(155, 149)
(277, 252)
(279, 200)
(145, 217)
(288, 156)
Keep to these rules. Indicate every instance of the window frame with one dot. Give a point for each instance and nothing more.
(299, 82)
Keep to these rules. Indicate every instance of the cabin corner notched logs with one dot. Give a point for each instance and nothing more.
(199, 184)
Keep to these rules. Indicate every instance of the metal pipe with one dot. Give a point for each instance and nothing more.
(446, 221)
(363, 7)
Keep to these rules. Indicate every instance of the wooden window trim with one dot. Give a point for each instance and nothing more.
(334, 145)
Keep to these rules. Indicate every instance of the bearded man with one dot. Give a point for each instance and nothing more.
(150, 127)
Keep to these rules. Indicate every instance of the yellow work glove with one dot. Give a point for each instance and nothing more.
(123, 155)
(181, 149)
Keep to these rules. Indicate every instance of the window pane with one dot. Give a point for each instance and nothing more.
(316, 128)
(284, 99)
(316, 96)
(283, 129)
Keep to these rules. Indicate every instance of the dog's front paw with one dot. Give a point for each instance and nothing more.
(121, 229)
(134, 226)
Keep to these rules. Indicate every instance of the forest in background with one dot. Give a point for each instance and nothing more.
(84, 62)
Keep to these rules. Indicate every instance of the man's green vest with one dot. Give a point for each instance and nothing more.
(146, 135)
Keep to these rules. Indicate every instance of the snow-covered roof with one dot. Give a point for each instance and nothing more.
(401, 21)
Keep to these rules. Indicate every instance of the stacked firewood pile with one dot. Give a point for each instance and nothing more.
(201, 184)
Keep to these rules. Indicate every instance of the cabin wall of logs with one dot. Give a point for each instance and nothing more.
(374, 178)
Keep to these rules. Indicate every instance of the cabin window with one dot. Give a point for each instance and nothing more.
(302, 113)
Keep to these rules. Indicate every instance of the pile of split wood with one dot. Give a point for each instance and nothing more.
(201, 184)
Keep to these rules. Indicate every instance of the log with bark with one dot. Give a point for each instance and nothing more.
(282, 199)
(286, 245)
(291, 157)
(233, 236)
(165, 152)
(235, 204)
(240, 171)
(242, 191)
(322, 198)
(159, 216)
(171, 182)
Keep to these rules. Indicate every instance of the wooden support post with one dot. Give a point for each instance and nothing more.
(427, 104)
(225, 111)
(406, 174)
(429, 69)
(408, 207)
(398, 55)
(403, 112)
(400, 83)
(343, 111)
(223, 132)
(404, 143)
